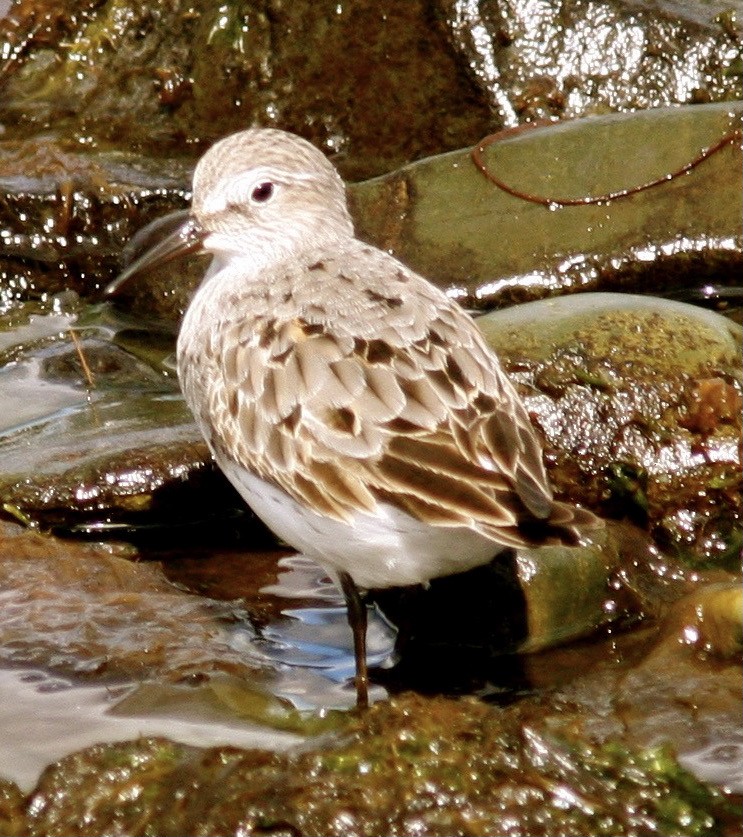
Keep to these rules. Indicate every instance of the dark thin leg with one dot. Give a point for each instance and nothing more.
(357, 620)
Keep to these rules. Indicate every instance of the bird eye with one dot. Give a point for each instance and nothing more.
(263, 192)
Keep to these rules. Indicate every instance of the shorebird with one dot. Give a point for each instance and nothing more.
(356, 408)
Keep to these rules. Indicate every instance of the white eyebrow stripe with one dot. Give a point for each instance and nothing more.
(236, 190)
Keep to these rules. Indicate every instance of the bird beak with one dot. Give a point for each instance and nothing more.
(187, 238)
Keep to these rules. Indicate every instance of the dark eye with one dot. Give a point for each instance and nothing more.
(262, 192)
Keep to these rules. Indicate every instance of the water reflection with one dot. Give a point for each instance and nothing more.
(319, 638)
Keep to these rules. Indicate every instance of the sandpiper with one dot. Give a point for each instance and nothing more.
(355, 407)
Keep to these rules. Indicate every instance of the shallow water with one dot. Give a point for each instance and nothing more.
(44, 718)
(305, 654)
(213, 645)
(718, 761)
(318, 638)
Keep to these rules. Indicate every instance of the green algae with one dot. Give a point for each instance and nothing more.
(639, 403)
(409, 766)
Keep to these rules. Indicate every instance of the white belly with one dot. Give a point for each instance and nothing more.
(387, 549)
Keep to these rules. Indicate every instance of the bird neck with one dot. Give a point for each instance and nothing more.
(261, 257)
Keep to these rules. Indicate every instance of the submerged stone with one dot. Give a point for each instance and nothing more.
(91, 612)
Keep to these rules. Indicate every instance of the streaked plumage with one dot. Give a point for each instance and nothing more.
(356, 408)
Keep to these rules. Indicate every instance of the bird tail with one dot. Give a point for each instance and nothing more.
(567, 524)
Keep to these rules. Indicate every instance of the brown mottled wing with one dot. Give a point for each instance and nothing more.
(376, 386)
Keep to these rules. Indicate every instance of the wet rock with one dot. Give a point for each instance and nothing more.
(659, 686)
(566, 60)
(12, 806)
(159, 83)
(65, 215)
(407, 767)
(488, 248)
(230, 697)
(157, 482)
(70, 608)
(634, 399)
(377, 84)
(45, 717)
(454, 633)
(70, 215)
(693, 661)
(93, 150)
(482, 630)
(96, 441)
(709, 621)
(637, 400)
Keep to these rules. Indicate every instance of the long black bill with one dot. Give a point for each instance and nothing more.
(187, 237)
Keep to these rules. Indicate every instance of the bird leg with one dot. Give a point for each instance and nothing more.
(356, 611)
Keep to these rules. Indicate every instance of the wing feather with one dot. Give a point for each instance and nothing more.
(384, 397)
